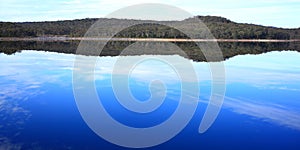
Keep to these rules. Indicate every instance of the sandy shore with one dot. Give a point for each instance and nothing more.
(141, 39)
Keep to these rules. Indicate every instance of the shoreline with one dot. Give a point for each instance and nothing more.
(57, 38)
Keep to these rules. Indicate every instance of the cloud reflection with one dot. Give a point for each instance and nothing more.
(270, 70)
(6, 144)
(269, 112)
(22, 77)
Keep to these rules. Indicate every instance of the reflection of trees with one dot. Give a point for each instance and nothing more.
(11, 47)
(114, 48)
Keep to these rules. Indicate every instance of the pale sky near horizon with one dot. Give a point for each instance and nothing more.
(277, 13)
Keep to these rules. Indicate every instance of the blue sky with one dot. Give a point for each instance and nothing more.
(277, 13)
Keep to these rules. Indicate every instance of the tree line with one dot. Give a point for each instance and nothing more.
(220, 28)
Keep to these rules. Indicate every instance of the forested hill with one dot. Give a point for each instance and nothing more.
(221, 28)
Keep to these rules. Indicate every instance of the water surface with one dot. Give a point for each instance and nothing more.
(261, 108)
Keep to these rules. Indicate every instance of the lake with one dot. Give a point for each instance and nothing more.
(261, 108)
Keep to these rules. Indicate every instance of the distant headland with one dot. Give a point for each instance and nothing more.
(221, 28)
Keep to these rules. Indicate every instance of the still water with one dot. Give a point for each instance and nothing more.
(261, 108)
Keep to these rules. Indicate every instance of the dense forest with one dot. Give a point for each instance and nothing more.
(229, 49)
(221, 28)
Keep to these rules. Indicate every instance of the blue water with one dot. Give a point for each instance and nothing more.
(261, 109)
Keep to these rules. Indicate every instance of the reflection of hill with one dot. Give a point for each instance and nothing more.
(114, 48)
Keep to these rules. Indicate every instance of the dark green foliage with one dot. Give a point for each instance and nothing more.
(37, 29)
(221, 28)
(150, 30)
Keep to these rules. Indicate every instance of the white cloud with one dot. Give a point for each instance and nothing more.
(266, 12)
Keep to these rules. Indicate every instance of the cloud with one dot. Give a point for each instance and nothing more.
(71, 2)
(265, 12)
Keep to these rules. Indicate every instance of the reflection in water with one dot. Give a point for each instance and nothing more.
(270, 83)
(268, 112)
(261, 107)
(23, 79)
(114, 48)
